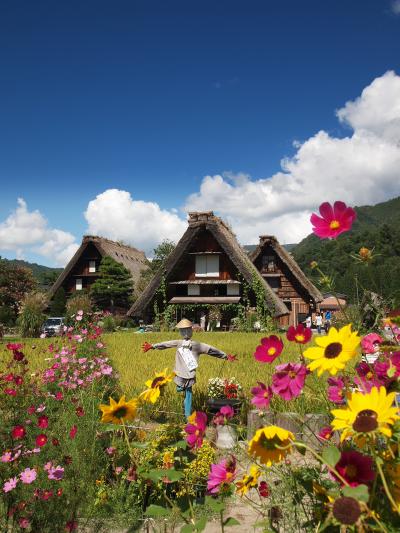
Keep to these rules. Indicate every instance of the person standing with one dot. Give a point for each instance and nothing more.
(186, 360)
(318, 322)
(308, 322)
(327, 321)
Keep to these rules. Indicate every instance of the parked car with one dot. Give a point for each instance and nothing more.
(54, 325)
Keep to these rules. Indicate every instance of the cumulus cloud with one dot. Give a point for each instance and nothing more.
(362, 168)
(114, 214)
(26, 231)
(395, 5)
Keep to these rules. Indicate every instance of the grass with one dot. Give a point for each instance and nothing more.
(135, 367)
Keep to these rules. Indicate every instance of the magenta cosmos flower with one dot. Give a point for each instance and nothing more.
(299, 334)
(28, 476)
(355, 468)
(261, 395)
(333, 220)
(366, 378)
(221, 475)
(289, 380)
(336, 390)
(196, 429)
(369, 342)
(224, 414)
(269, 349)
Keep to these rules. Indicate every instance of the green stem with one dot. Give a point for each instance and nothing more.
(385, 486)
(221, 514)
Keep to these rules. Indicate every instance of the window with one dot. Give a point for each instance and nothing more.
(78, 285)
(232, 290)
(193, 290)
(92, 266)
(207, 266)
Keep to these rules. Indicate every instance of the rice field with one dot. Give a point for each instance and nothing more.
(135, 367)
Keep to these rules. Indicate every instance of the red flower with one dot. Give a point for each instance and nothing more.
(299, 334)
(10, 392)
(71, 525)
(325, 433)
(230, 390)
(18, 432)
(13, 346)
(41, 440)
(231, 357)
(333, 220)
(59, 492)
(79, 411)
(18, 380)
(269, 349)
(263, 489)
(18, 356)
(355, 468)
(31, 409)
(8, 377)
(59, 395)
(73, 432)
(43, 422)
(55, 442)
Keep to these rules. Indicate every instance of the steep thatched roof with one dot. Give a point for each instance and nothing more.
(199, 221)
(287, 259)
(132, 259)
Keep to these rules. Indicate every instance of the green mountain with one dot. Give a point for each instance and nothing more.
(45, 276)
(376, 228)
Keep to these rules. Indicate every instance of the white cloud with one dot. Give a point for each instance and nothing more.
(114, 214)
(396, 7)
(26, 231)
(363, 168)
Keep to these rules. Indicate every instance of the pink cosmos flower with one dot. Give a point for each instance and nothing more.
(335, 390)
(106, 370)
(224, 414)
(196, 429)
(10, 484)
(261, 395)
(333, 220)
(355, 468)
(28, 476)
(269, 349)
(78, 318)
(366, 378)
(289, 380)
(325, 433)
(369, 342)
(299, 334)
(55, 472)
(24, 523)
(6, 457)
(111, 450)
(221, 475)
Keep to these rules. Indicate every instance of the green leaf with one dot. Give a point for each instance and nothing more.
(156, 511)
(123, 460)
(231, 522)
(200, 525)
(173, 475)
(331, 455)
(188, 528)
(214, 504)
(157, 475)
(358, 493)
(139, 444)
(181, 444)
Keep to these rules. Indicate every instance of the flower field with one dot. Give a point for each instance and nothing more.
(93, 436)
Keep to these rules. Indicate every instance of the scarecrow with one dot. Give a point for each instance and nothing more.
(187, 359)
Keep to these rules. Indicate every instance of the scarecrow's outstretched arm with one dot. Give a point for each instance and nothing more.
(160, 345)
(211, 350)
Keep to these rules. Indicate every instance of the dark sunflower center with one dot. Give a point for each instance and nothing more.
(365, 421)
(333, 350)
(346, 510)
(120, 412)
(351, 471)
(270, 444)
(156, 382)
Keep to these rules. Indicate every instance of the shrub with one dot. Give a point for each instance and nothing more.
(79, 302)
(31, 315)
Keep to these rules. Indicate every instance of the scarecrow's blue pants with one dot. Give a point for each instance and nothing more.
(188, 400)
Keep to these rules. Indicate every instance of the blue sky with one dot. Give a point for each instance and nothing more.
(150, 97)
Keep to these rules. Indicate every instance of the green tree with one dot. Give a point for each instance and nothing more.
(161, 254)
(15, 283)
(57, 306)
(114, 287)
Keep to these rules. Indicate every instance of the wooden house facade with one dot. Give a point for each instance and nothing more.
(287, 280)
(83, 269)
(207, 267)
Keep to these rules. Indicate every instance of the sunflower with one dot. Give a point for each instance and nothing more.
(154, 386)
(267, 442)
(117, 413)
(248, 481)
(333, 350)
(367, 414)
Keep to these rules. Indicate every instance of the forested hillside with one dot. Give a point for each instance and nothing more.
(45, 276)
(377, 228)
